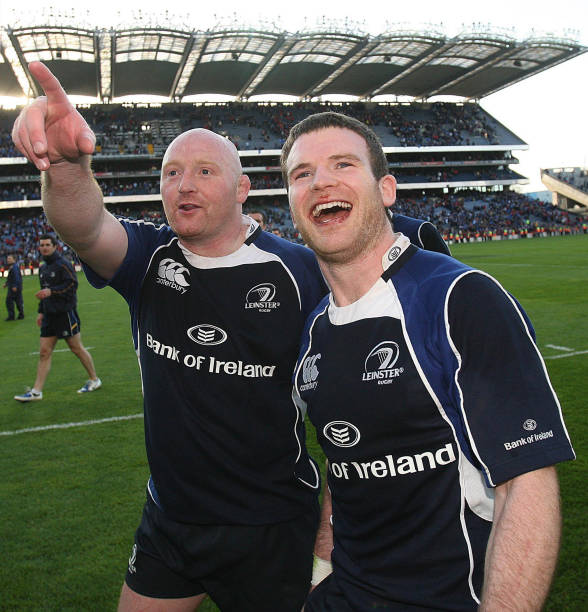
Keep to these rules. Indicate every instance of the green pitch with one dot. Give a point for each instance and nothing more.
(71, 497)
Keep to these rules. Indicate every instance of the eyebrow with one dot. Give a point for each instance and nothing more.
(199, 162)
(336, 157)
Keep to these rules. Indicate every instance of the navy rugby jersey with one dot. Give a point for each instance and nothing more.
(421, 233)
(425, 393)
(217, 341)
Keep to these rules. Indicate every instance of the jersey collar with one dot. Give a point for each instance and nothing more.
(398, 247)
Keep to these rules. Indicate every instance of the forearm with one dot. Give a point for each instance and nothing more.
(524, 543)
(73, 202)
(75, 208)
(323, 544)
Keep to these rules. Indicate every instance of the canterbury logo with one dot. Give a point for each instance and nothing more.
(341, 433)
(133, 560)
(310, 369)
(207, 334)
(264, 292)
(382, 357)
(173, 271)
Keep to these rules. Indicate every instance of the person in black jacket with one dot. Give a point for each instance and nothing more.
(58, 318)
(14, 285)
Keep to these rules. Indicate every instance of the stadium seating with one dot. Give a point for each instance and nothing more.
(452, 163)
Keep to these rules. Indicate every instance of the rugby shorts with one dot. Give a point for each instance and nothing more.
(61, 324)
(327, 596)
(243, 568)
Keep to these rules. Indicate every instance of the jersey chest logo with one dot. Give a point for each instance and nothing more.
(207, 334)
(380, 362)
(171, 273)
(341, 433)
(261, 297)
(310, 372)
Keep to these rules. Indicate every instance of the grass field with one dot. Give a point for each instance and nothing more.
(71, 497)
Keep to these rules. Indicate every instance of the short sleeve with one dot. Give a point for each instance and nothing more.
(511, 412)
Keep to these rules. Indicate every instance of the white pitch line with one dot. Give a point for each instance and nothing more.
(89, 348)
(560, 348)
(70, 425)
(566, 355)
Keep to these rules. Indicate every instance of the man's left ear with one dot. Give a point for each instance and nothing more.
(243, 188)
(387, 186)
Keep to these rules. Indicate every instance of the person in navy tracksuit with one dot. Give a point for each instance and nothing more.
(14, 289)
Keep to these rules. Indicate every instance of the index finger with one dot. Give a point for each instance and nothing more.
(49, 82)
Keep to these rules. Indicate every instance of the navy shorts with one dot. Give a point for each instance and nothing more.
(243, 568)
(61, 324)
(328, 596)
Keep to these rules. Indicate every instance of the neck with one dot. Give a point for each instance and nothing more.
(349, 281)
(229, 240)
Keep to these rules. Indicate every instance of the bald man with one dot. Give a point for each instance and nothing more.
(217, 309)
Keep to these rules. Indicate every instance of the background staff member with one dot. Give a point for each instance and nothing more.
(14, 289)
(58, 318)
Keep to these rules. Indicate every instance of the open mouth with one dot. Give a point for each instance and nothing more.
(331, 211)
(187, 207)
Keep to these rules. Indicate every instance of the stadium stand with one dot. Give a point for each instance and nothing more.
(568, 186)
(455, 164)
(131, 142)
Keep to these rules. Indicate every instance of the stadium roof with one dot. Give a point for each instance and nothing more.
(175, 63)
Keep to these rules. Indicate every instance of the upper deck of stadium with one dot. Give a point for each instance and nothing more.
(176, 63)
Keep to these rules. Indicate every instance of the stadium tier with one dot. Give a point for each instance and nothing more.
(453, 164)
(429, 146)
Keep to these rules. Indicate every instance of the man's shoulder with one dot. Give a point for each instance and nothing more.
(146, 236)
(429, 275)
(63, 261)
(141, 226)
(281, 246)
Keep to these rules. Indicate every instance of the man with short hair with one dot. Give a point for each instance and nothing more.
(58, 318)
(217, 308)
(13, 285)
(430, 400)
(258, 216)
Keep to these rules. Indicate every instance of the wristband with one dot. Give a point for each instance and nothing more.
(320, 570)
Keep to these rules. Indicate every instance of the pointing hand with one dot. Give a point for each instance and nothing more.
(50, 130)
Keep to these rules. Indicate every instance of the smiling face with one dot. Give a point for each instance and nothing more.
(202, 187)
(335, 200)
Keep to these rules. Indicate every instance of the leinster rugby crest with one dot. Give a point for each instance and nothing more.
(380, 362)
(261, 298)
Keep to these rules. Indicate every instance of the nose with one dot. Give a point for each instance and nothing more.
(322, 177)
(186, 183)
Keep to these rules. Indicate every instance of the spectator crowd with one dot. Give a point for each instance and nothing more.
(145, 130)
(461, 217)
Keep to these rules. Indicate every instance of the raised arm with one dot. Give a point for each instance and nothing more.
(524, 543)
(55, 137)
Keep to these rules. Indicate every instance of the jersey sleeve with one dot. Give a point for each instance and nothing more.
(432, 240)
(144, 239)
(510, 411)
